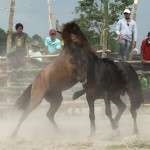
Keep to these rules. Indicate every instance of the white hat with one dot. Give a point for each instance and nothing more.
(127, 11)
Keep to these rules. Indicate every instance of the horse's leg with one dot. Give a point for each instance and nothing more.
(135, 103)
(90, 101)
(134, 116)
(23, 117)
(36, 98)
(109, 113)
(55, 103)
(121, 108)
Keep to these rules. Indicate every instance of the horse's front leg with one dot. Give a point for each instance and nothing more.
(90, 101)
(55, 102)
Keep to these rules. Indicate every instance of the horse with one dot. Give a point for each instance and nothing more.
(69, 68)
(109, 80)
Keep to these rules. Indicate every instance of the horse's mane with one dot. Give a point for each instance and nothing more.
(73, 28)
(84, 46)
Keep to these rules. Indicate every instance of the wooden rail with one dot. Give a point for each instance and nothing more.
(43, 56)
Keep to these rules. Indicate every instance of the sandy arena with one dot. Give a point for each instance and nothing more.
(37, 133)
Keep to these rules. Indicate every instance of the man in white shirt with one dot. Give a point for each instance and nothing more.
(127, 34)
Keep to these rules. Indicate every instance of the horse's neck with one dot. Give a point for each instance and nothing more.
(78, 58)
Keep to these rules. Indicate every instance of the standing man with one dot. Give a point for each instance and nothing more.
(52, 42)
(127, 34)
(19, 46)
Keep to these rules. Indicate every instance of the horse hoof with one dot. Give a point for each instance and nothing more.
(92, 134)
(116, 133)
(115, 126)
(13, 135)
(135, 131)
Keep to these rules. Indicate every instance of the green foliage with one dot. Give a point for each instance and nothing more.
(92, 18)
(38, 39)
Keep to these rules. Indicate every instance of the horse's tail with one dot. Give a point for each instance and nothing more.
(134, 88)
(78, 94)
(23, 101)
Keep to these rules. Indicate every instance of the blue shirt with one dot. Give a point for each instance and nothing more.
(53, 45)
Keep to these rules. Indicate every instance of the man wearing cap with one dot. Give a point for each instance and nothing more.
(127, 34)
(145, 49)
(52, 43)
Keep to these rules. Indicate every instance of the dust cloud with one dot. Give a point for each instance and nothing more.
(37, 132)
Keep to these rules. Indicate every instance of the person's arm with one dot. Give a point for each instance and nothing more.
(58, 46)
(46, 46)
(118, 29)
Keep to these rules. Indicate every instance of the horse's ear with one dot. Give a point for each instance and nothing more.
(59, 32)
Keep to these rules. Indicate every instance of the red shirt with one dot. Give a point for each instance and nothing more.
(145, 49)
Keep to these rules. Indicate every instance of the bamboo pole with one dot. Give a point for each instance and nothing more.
(10, 25)
(50, 14)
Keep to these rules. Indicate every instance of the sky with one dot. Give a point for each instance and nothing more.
(34, 15)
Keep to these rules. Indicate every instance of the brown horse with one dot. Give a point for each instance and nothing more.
(68, 69)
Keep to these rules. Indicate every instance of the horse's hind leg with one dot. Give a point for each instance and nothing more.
(134, 106)
(23, 117)
(55, 102)
(109, 113)
(134, 116)
(34, 102)
(121, 108)
(90, 101)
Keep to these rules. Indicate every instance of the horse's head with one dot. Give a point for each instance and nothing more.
(72, 34)
(77, 45)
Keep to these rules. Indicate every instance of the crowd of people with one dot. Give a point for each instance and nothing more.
(126, 30)
(22, 47)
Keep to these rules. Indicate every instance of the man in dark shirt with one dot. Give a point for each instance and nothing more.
(19, 47)
(19, 39)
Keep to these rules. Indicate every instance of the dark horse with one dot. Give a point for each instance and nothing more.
(109, 80)
(68, 69)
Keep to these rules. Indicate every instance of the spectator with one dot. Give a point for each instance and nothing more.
(19, 47)
(145, 49)
(127, 34)
(52, 42)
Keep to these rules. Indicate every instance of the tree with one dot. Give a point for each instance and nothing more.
(38, 39)
(97, 17)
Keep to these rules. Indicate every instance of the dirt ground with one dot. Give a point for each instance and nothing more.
(37, 133)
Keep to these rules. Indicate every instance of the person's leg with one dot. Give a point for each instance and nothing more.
(127, 49)
(121, 48)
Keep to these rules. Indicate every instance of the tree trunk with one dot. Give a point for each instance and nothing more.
(134, 9)
(106, 25)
